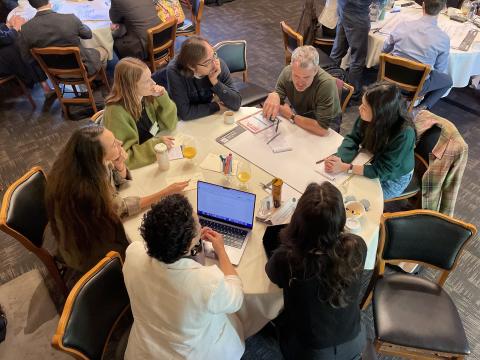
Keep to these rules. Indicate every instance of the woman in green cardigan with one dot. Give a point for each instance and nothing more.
(385, 129)
(137, 110)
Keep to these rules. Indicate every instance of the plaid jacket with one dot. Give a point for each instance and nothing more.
(441, 181)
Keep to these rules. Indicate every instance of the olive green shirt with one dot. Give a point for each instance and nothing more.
(319, 101)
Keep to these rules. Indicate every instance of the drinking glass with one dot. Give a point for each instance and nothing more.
(244, 173)
(189, 148)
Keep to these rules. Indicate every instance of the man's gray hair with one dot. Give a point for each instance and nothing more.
(305, 56)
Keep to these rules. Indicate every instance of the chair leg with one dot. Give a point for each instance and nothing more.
(26, 93)
(59, 94)
(103, 75)
(53, 270)
(90, 97)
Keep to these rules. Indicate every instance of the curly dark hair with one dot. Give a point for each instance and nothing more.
(317, 247)
(168, 228)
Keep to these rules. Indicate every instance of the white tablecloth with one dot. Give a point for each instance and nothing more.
(94, 14)
(263, 300)
(462, 64)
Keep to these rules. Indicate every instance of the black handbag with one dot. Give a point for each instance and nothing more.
(3, 325)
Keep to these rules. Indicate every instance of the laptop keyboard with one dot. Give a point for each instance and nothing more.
(232, 236)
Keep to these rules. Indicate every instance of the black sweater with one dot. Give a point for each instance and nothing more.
(193, 96)
(315, 323)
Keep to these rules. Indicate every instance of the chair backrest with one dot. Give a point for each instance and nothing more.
(23, 214)
(234, 54)
(408, 75)
(97, 118)
(423, 236)
(94, 306)
(345, 92)
(58, 62)
(161, 43)
(427, 143)
(197, 12)
(291, 40)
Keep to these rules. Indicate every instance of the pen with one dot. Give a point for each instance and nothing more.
(278, 122)
(273, 138)
(322, 160)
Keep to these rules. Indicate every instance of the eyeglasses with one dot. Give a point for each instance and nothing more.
(196, 249)
(210, 61)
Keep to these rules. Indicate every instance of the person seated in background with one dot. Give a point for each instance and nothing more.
(312, 93)
(48, 28)
(199, 82)
(10, 59)
(181, 309)
(130, 21)
(83, 205)
(385, 129)
(319, 267)
(137, 110)
(423, 41)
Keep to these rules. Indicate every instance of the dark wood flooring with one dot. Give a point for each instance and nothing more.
(29, 138)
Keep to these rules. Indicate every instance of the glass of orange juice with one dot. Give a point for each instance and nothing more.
(189, 148)
(244, 173)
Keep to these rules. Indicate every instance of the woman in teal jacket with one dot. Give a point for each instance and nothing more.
(137, 110)
(385, 129)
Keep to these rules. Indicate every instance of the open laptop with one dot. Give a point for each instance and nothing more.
(229, 212)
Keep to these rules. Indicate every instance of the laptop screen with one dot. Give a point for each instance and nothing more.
(229, 205)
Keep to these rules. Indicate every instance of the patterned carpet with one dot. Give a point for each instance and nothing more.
(30, 138)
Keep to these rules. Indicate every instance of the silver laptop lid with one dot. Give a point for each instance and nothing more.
(224, 204)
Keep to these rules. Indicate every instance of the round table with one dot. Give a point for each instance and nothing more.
(93, 13)
(263, 299)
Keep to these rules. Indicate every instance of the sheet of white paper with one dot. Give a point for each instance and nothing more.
(278, 144)
(256, 123)
(212, 162)
(192, 185)
(456, 31)
(175, 153)
(338, 179)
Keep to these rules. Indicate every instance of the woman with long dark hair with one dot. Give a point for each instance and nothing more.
(83, 204)
(385, 129)
(319, 268)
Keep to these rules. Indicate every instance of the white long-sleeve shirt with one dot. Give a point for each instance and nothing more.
(181, 310)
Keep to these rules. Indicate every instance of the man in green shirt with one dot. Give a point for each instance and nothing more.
(311, 92)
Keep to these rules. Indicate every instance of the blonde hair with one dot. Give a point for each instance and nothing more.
(125, 86)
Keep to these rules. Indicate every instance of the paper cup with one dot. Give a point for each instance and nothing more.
(229, 117)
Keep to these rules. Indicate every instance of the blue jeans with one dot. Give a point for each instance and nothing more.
(353, 33)
(394, 188)
(434, 87)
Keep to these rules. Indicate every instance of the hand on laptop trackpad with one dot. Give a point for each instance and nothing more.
(208, 249)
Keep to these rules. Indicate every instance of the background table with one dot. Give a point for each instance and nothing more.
(94, 14)
(462, 64)
(263, 300)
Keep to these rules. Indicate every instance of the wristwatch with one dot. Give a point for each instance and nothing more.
(292, 118)
(350, 169)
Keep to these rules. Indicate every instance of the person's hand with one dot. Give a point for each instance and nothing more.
(16, 22)
(168, 140)
(216, 70)
(286, 111)
(271, 106)
(119, 162)
(222, 107)
(157, 90)
(114, 27)
(333, 164)
(215, 238)
(176, 188)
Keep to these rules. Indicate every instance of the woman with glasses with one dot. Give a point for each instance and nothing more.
(137, 110)
(181, 309)
(83, 204)
(199, 82)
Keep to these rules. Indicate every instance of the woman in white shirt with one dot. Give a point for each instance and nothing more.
(181, 309)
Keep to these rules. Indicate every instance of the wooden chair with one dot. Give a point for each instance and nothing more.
(408, 75)
(423, 150)
(326, 40)
(64, 66)
(291, 40)
(5, 79)
(414, 317)
(234, 54)
(94, 307)
(192, 27)
(24, 217)
(161, 44)
(97, 118)
(345, 92)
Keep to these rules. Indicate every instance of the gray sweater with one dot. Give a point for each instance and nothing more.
(193, 96)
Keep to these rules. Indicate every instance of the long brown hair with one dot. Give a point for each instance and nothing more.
(316, 246)
(127, 74)
(79, 193)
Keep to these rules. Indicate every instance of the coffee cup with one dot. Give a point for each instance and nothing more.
(229, 117)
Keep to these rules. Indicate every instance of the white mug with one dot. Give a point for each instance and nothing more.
(229, 117)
